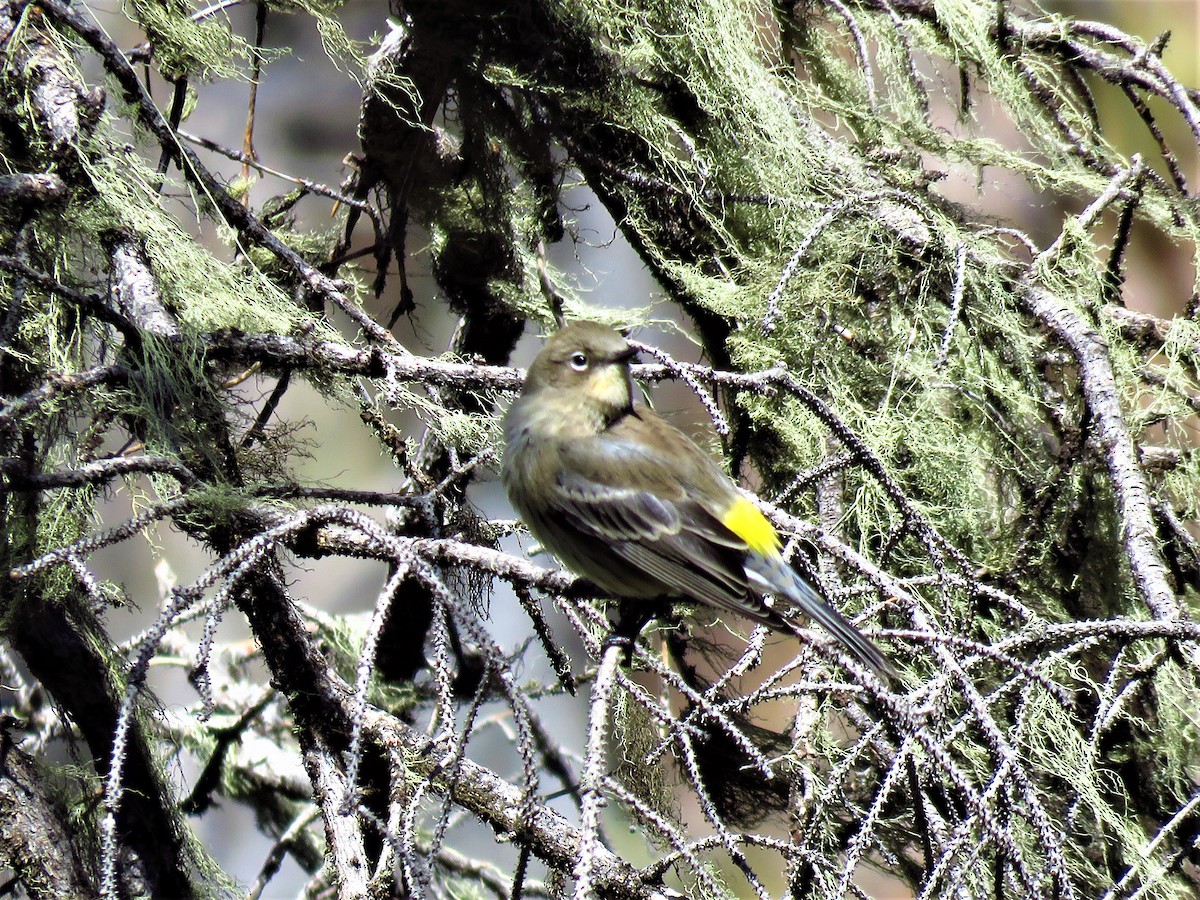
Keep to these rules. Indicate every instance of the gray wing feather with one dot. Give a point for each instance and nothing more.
(674, 541)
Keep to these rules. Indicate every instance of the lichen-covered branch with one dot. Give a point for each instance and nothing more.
(973, 432)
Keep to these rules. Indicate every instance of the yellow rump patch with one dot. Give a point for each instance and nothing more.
(744, 520)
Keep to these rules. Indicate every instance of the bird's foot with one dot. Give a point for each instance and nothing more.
(624, 642)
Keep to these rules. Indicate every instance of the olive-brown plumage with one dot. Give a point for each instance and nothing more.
(628, 501)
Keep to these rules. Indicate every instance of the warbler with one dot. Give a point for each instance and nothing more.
(631, 503)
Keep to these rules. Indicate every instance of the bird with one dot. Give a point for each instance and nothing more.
(628, 501)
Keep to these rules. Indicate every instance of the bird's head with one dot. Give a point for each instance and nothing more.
(587, 364)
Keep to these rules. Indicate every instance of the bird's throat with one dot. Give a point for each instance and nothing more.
(610, 390)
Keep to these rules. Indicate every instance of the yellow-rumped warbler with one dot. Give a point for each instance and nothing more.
(631, 503)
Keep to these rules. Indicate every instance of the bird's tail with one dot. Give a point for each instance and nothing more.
(776, 576)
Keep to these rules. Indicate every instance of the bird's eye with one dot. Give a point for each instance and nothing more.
(579, 361)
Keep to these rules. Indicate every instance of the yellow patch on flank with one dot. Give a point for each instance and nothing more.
(744, 520)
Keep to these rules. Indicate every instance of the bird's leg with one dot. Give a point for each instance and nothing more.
(634, 616)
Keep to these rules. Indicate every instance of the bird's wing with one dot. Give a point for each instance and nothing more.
(649, 520)
(659, 536)
(666, 518)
